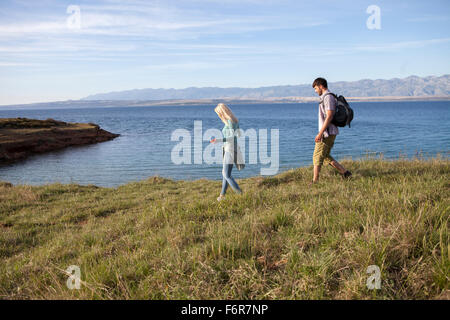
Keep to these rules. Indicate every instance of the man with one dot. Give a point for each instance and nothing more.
(327, 131)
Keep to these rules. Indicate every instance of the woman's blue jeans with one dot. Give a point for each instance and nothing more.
(228, 179)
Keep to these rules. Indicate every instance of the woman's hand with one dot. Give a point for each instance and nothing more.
(213, 140)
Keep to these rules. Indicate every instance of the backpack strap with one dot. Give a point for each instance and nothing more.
(321, 101)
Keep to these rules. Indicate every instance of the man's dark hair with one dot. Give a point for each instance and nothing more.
(320, 81)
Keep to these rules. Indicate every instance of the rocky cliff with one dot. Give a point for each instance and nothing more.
(21, 137)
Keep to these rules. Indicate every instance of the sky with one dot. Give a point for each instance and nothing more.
(58, 50)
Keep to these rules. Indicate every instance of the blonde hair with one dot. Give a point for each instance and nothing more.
(225, 113)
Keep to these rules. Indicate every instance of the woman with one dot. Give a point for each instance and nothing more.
(230, 131)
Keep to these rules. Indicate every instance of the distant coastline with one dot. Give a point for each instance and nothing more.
(412, 88)
(186, 102)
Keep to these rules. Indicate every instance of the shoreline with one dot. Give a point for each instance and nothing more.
(379, 157)
(22, 137)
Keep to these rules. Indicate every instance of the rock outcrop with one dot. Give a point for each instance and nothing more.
(21, 137)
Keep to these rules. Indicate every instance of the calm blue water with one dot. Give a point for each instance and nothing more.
(144, 147)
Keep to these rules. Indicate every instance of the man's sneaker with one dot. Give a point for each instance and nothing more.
(347, 174)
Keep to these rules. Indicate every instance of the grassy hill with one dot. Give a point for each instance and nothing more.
(164, 239)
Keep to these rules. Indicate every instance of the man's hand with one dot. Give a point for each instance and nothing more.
(330, 114)
(318, 137)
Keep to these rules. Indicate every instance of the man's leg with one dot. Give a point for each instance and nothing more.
(318, 159)
(316, 173)
(328, 159)
(338, 166)
(322, 154)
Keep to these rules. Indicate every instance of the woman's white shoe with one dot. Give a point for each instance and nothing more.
(220, 198)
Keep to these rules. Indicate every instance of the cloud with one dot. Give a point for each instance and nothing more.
(401, 45)
(32, 28)
(161, 21)
(18, 64)
(189, 66)
(428, 18)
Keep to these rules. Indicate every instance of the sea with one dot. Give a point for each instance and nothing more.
(173, 141)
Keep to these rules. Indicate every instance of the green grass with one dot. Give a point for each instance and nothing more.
(164, 239)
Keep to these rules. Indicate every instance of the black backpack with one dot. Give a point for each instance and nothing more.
(344, 114)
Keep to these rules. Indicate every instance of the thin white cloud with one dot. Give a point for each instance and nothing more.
(91, 50)
(155, 21)
(39, 27)
(18, 64)
(428, 18)
(68, 45)
(401, 45)
(189, 66)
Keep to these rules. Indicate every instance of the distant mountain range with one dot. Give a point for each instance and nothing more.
(412, 86)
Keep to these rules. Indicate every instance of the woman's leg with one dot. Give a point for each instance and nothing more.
(224, 183)
(226, 172)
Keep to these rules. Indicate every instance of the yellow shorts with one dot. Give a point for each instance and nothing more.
(322, 151)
